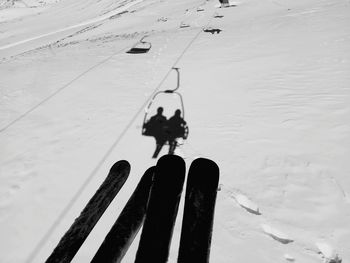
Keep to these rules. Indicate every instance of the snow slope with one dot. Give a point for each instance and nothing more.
(268, 99)
(17, 9)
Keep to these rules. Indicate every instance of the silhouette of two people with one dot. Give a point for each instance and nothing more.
(164, 130)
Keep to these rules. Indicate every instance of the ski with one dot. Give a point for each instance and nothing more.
(129, 222)
(83, 225)
(197, 223)
(162, 210)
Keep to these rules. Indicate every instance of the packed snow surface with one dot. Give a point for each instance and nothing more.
(266, 96)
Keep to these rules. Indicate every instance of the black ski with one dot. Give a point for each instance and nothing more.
(82, 226)
(129, 222)
(197, 224)
(162, 210)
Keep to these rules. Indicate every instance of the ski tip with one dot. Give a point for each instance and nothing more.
(121, 166)
(171, 160)
(170, 170)
(205, 162)
(205, 170)
(150, 170)
(149, 174)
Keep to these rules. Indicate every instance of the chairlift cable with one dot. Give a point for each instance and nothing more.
(45, 238)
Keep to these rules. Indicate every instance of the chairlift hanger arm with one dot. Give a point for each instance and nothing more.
(167, 92)
(182, 104)
(178, 82)
(142, 41)
(149, 106)
(146, 42)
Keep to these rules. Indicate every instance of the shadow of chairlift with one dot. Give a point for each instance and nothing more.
(212, 30)
(178, 96)
(184, 25)
(216, 15)
(226, 4)
(141, 47)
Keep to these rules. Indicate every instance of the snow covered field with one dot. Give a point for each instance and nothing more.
(268, 99)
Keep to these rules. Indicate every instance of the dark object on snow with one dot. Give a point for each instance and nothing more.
(154, 204)
(176, 127)
(197, 224)
(184, 25)
(156, 127)
(162, 210)
(162, 130)
(212, 30)
(141, 47)
(218, 16)
(129, 222)
(83, 225)
(226, 3)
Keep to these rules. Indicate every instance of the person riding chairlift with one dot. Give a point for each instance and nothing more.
(166, 130)
(156, 127)
(176, 128)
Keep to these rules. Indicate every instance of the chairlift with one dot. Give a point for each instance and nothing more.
(217, 15)
(184, 25)
(226, 3)
(146, 118)
(212, 30)
(140, 47)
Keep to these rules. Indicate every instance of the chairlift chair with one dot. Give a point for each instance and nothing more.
(227, 3)
(212, 30)
(216, 15)
(140, 47)
(184, 25)
(146, 118)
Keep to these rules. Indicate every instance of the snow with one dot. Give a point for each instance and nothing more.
(85, 23)
(12, 9)
(328, 252)
(267, 98)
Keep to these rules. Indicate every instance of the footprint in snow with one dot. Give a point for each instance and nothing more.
(328, 253)
(247, 204)
(276, 234)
